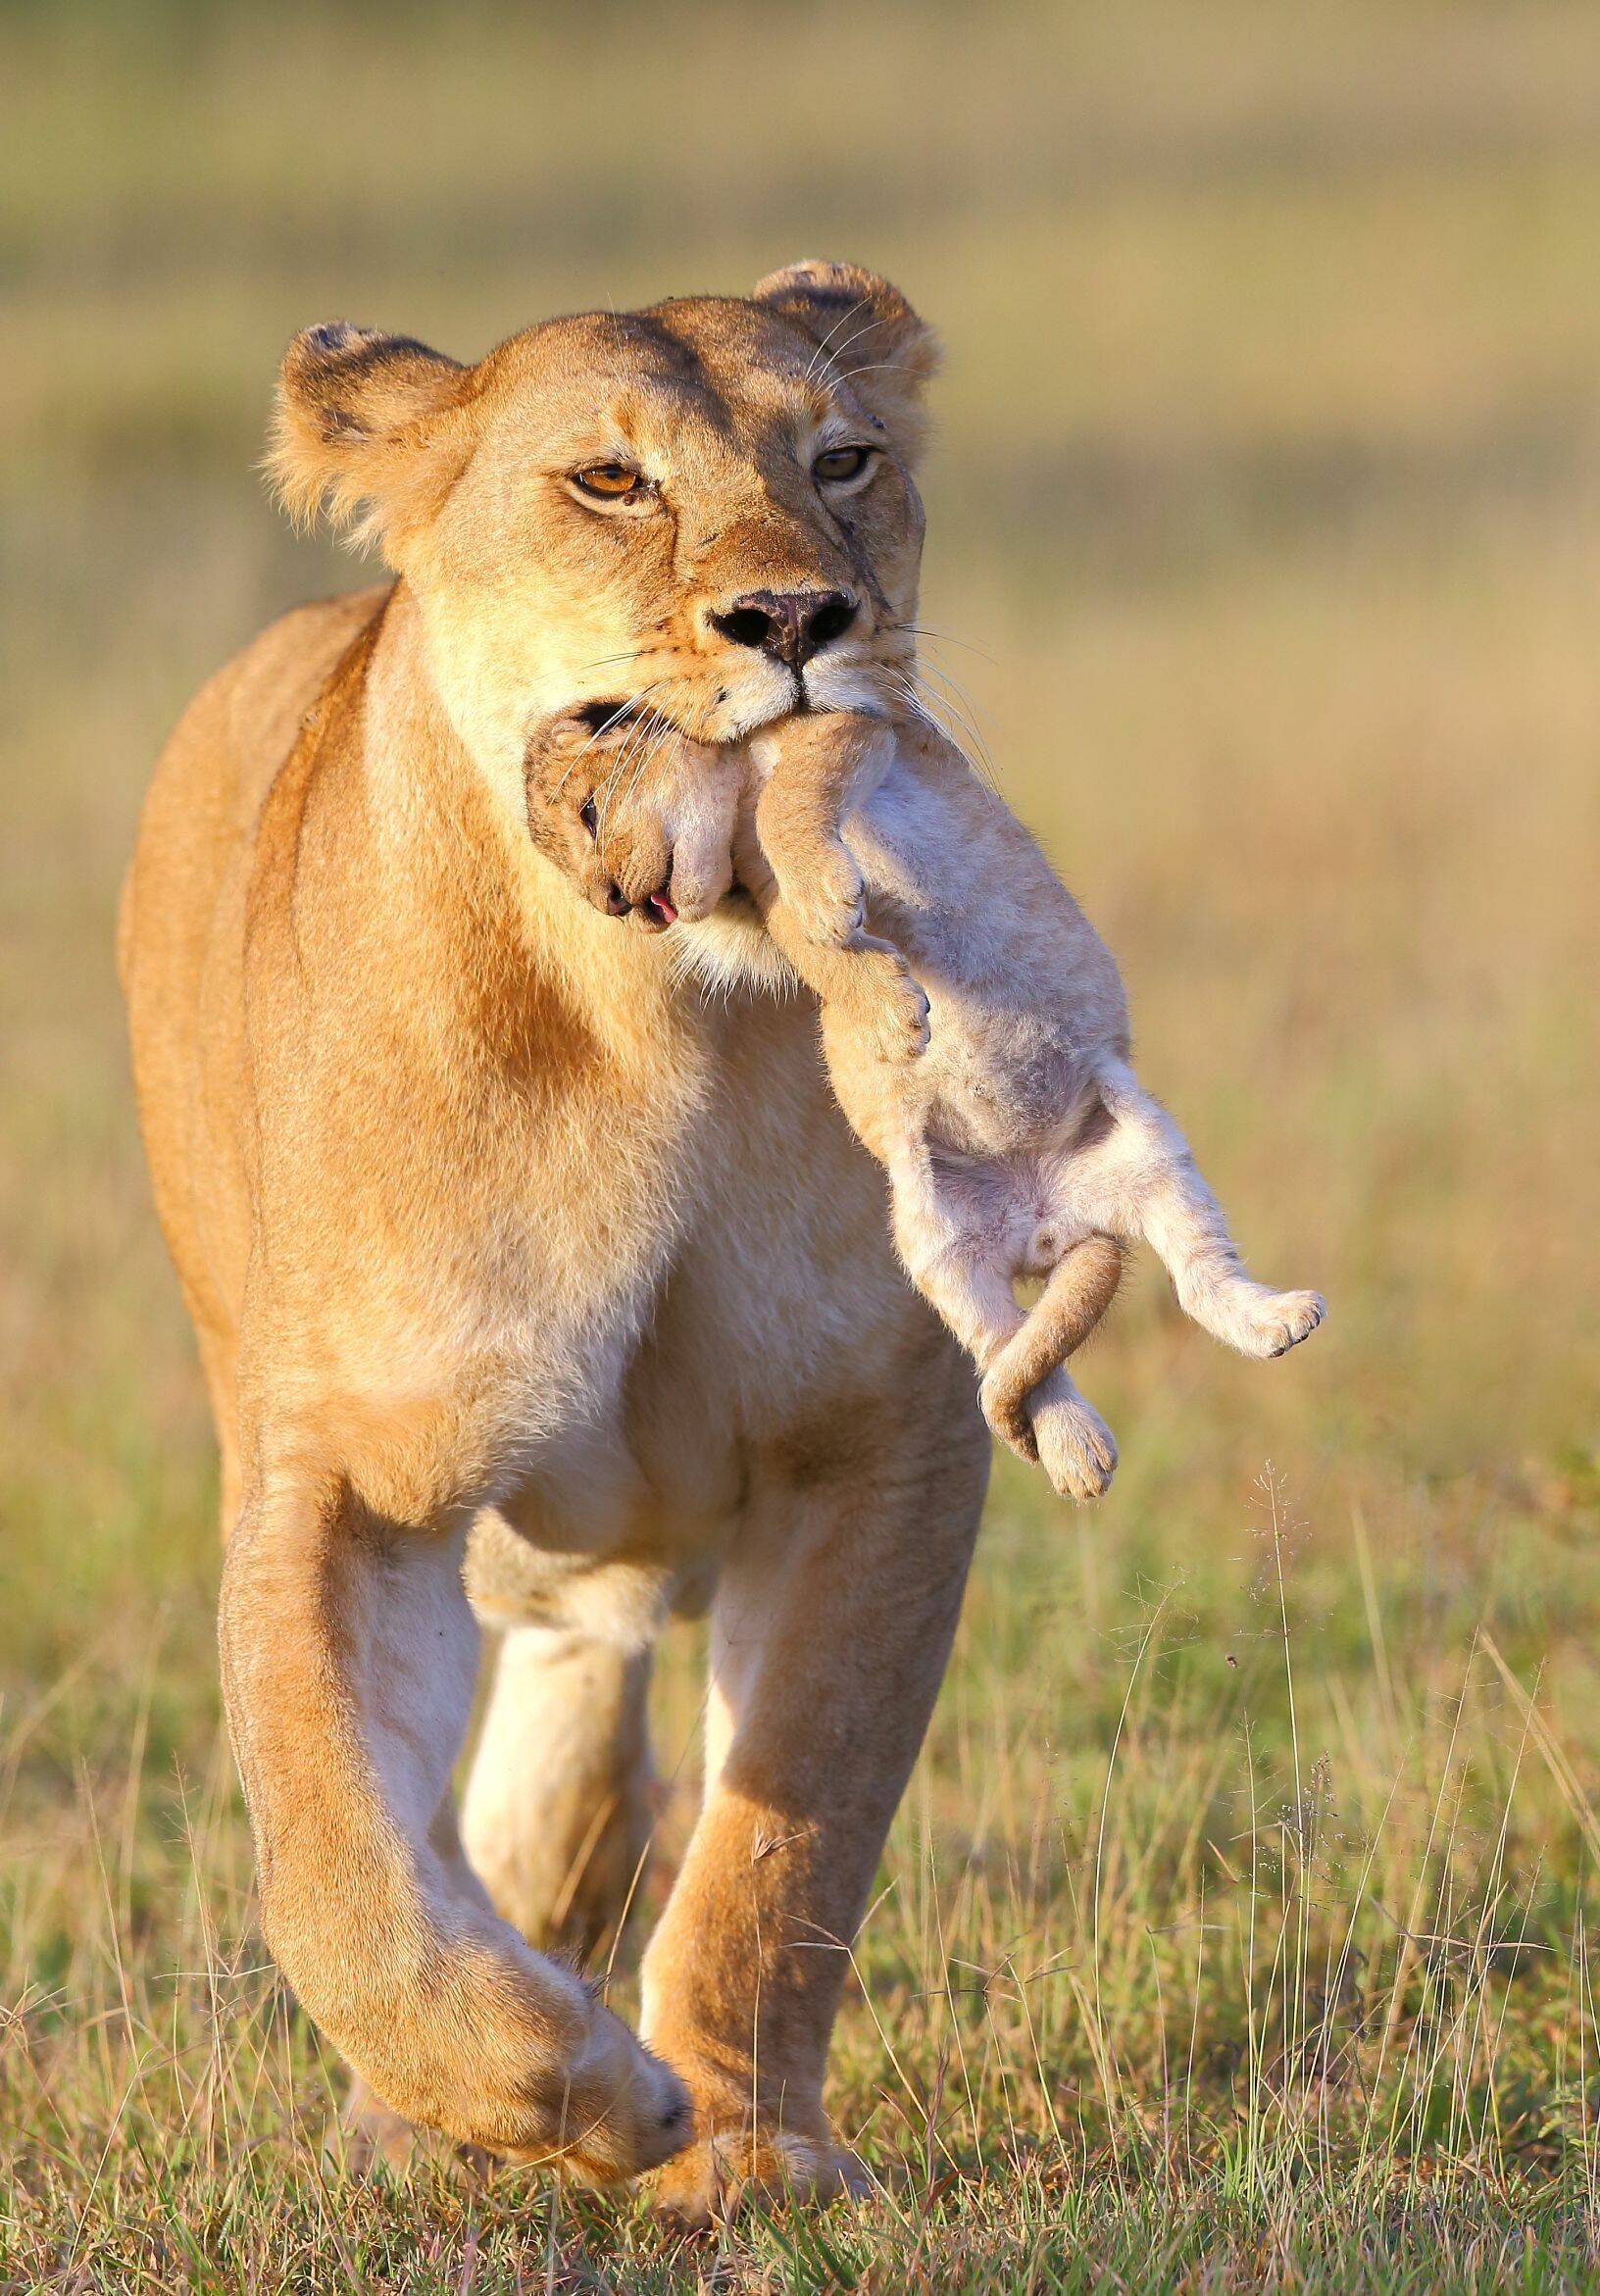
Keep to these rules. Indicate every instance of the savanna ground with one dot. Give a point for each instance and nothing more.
(1238, 1925)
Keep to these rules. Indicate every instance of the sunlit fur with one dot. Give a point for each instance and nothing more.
(976, 1035)
(497, 1225)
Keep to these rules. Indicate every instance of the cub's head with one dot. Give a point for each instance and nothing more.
(703, 514)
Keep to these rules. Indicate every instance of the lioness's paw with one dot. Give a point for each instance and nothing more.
(371, 2142)
(1077, 1449)
(616, 2110)
(712, 2180)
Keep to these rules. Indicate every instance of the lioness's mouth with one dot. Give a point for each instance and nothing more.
(622, 714)
(608, 717)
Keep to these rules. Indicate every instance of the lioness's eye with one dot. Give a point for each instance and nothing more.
(839, 463)
(610, 482)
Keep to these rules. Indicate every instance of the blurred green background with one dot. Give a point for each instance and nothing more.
(1264, 546)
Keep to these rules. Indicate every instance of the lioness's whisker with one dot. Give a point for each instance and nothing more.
(942, 637)
(908, 694)
(958, 706)
(833, 357)
(844, 319)
(637, 744)
(928, 707)
(967, 710)
(633, 702)
(872, 366)
(649, 757)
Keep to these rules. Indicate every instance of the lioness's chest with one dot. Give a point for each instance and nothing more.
(772, 1291)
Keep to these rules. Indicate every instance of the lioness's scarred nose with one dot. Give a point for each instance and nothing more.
(791, 625)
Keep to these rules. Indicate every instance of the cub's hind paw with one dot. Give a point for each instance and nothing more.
(894, 1007)
(828, 898)
(1265, 1323)
(1300, 1312)
(1077, 1449)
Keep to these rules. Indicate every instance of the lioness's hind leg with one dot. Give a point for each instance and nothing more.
(558, 1807)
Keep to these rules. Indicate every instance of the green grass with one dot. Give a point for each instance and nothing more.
(1238, 1925)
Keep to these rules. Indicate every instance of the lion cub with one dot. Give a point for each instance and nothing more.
(976, 1034)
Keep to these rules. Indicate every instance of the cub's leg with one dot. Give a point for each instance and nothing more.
(873, 1013)
(817, 769)
(812, 891)
(1145, 1182)
(349, 1654)
(830, 1629)
(969, 1285)
(959, 1247)
(558, 1808)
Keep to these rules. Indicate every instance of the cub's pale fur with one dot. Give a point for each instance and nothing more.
(503, 1234)
(976, 1037)
(991, 1076)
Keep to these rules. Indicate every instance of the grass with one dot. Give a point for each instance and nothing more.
(1238, 1926)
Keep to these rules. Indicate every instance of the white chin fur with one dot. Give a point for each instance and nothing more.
(730, 950)
(843, 686)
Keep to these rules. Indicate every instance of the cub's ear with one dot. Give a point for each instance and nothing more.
(371, 428)
(868, 335)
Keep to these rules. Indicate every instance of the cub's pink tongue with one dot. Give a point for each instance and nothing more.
(663, 908)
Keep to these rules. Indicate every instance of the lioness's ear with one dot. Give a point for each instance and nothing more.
(368, 426)
(869, 335)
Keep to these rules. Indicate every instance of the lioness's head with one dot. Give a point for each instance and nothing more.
(705, 511)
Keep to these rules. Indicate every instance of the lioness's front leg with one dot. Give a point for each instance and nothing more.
(348, 1658)
(831, 1633)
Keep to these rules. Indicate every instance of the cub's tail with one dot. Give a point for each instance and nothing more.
(1081, 1288)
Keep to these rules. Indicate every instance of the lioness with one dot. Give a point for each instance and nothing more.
(518, 1238)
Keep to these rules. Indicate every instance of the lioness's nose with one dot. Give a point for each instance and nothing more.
(791, 625)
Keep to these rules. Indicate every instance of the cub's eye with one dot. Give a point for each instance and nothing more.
(841, 463)
(608, 482)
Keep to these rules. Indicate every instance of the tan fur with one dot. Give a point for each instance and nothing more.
(976, 1037)
(514, 1236)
